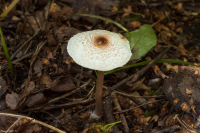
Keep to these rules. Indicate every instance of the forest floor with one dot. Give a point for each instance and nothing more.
(46, 91)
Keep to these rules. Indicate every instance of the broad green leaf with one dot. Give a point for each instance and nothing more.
(141, 41)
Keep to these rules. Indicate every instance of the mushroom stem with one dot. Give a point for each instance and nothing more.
(98, 93)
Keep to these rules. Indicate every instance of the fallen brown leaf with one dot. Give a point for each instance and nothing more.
(28, 88)
(45, 79)
(138, 112)
(36, 99)
(12, 100)
(136, 24)
(127, 11)
(143, 120)
(65, 84)
(37, 128)
(54, 8)
(38, 66)
(189, 91)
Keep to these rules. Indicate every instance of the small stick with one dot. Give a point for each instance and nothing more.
(160, 20)
(174, 128)
(34, 56)
(20, 48)
(129, 95)
(49, 107)
(137, 75)
(86, 107)
(24, 44)
(13, 124)
(185, 125)
(59, 98)
(11, 22)
(68, 94)
(108, 113)
(17, 60)
(138, 106)
(68, 104)
(118, 107)
(23, 12)
(34, 121)
(43, 111)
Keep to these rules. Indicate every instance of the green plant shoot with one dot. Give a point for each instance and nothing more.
(105, 128)
(6, 53)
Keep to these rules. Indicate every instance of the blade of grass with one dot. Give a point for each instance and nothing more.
(10, 7)
(105, 19)
(96, 73)
(147, 62)
(6, 53)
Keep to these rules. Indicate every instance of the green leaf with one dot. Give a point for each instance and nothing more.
(141, 41)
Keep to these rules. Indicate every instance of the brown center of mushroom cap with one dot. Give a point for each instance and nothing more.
(101, 41)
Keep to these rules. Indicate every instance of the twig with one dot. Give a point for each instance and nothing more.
(43, 111)
(17, 51)
(20, 48)
(77, 70)
(85, 107)
(23, 57)
(13, 124)
(138, 106)
(137, 75)
(30, 44)
(135, 13)
(48, 107)
(157, 71)
(134, 99)
(118, 107)
(174, 128)
(160, 20)
(90, 92)
(68, 104)
(124, 94)
(34, 121)
(39, 47)
(173, 108)
(17, 60)
(152, 4)
(10, 22)
(68, 94)
(108, 113)
(186, 126)
(23, 12)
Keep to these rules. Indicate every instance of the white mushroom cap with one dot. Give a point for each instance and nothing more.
(99, 50)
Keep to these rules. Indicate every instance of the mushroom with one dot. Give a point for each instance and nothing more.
(99, 50)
